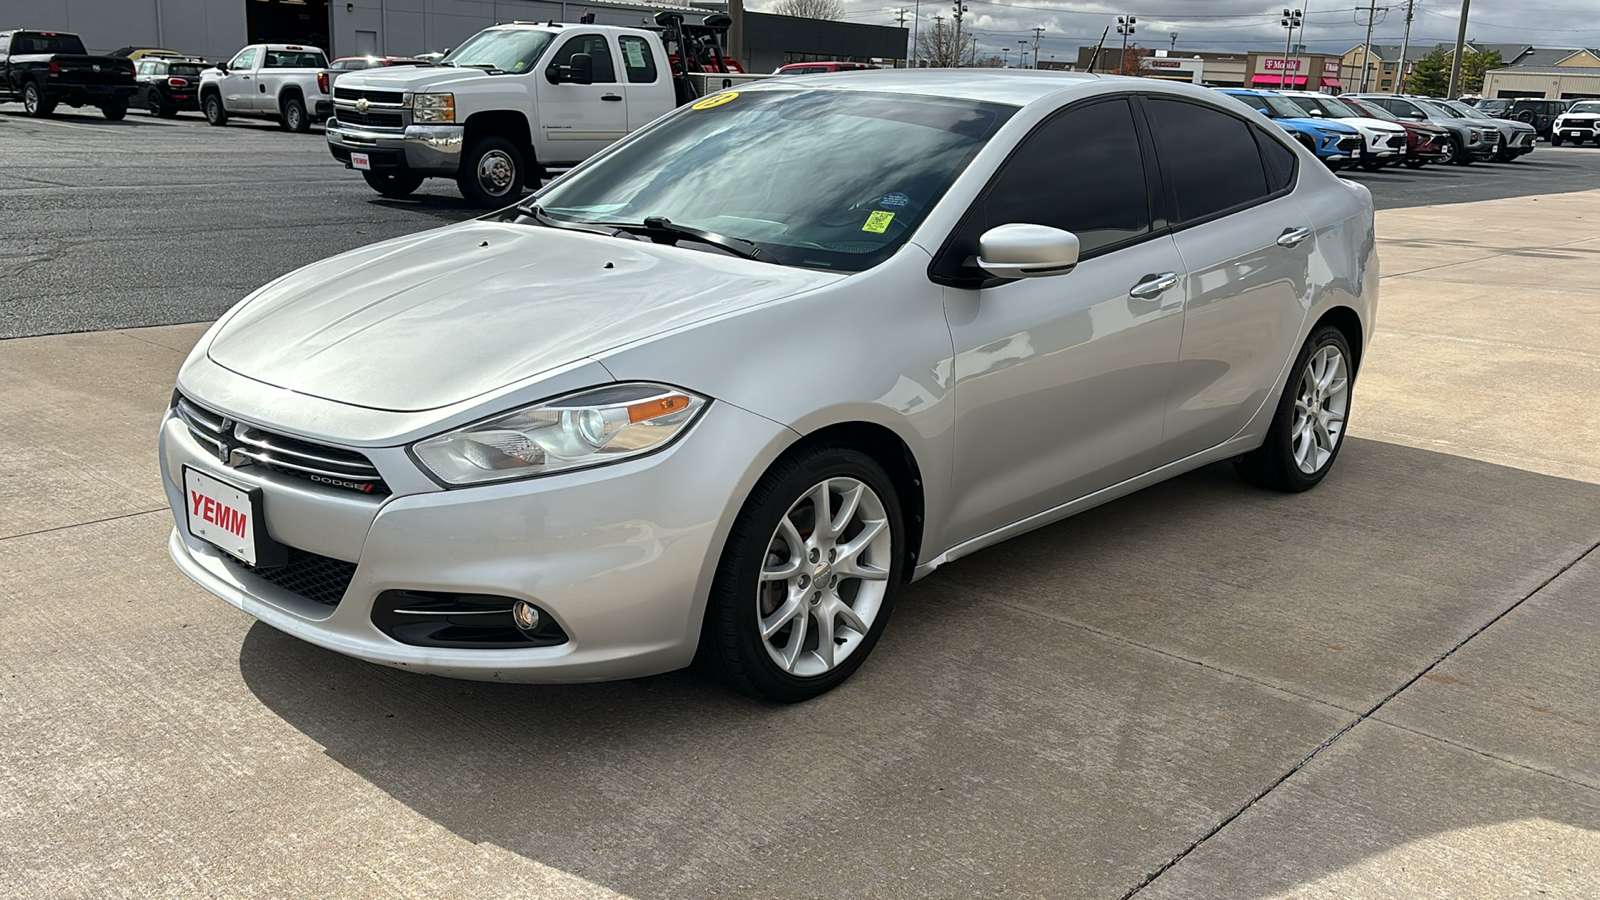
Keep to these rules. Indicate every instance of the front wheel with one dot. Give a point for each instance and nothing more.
(33, 101)
(808, 577)
(1452, 150)
(154, 105)
(396, 185)
(115, 110)
(1373, 163)
(293, 117)
(1308, 427)
(216, 113)
(1415, 163)
(1555, 140)
(491, 173)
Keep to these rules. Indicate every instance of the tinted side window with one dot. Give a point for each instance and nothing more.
(1278, 159)
(1082, 172)
(599, 51)
(1209, 156)
(637, 60)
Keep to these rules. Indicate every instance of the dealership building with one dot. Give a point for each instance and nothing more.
(216, 29)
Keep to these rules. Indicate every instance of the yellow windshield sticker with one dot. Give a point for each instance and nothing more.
(878, 222)
(715, 100)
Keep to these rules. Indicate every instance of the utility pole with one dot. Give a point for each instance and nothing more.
(960, 9)
(1405, 44)
(916, 25)
(1461, 47)
(1093, 57)
(1291, 18)
(1037, 31)
(1366, 48)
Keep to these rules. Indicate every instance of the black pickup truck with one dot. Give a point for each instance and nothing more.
(45, 68)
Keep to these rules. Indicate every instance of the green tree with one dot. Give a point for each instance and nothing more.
(1431, 75)
(1473, 67)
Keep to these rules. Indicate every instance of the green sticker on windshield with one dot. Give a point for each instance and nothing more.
(878, 222)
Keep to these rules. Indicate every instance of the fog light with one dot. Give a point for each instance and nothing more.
(525, 615)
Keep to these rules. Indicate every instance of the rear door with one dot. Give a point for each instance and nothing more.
(580, 120)
(1246, 245)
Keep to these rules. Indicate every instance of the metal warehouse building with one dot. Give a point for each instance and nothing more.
(215, 29)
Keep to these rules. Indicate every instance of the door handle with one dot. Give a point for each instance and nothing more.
(1292, 236)
(1152, 285)
(610, 97)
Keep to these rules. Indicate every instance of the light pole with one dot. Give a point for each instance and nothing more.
(1022, 54)
(1124, 27)
(1005, 57)
(1291, 18)
(959, 10)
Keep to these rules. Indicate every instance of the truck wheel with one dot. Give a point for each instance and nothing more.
(216, 113)
(294, 116)
(491, 172)
(396, 185)
(1555, 140)
(33, 101)
(115, 110)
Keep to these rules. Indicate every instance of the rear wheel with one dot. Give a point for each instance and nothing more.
(34, 103)
(808, 577)
(1308, 427)
(396, 185)
(216, 113)
(115, 110)
(491, 172)
(293, 116)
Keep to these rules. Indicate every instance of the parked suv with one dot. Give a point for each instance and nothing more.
(1577, 124)
(1335, 143)
(1541, 114)
(1468, 143)
(1516, 138)
(1424, 143)
(168, 86)
(1386, 141)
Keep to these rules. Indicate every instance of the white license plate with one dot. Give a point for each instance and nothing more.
(220, 514)
(361, 161)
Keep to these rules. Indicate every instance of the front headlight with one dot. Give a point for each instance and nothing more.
(432, 109)
(590, 428)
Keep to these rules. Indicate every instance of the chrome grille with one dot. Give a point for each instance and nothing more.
(369, 119)
(392, 98)
(236, 443)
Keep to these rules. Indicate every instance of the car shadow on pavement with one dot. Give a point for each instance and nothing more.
(1059, 715)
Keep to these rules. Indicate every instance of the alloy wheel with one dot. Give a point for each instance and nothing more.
(496, 172)
(1320, 408)
(824, 577)
(30, 100)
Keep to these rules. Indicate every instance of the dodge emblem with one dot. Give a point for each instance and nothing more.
(96, 68)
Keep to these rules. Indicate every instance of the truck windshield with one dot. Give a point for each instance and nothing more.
(45, 42)
(819, 179)
(1586, 109)
(501, 50)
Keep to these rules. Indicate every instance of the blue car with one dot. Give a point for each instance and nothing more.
(1334, 143)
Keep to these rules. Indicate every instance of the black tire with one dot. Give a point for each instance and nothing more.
(1452, 151)
(1273, 464)
(1415, 163)
(1555, 140)
(1373, 163)
(115, 110)
(292, 116)
(154, 105)
(216, 113)
(396, 185)
(731, 644)
(34, 102)
(492, 173)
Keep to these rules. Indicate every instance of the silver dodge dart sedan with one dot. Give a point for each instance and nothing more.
(718, 394)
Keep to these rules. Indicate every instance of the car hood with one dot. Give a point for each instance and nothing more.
(1329, 125)
(406, 78)
(433, 319)
(1372, 124)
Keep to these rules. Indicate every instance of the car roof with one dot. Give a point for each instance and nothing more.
(1013, 87)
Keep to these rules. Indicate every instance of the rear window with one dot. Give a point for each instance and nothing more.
(180, 69)
(293, 59)
(45, 42)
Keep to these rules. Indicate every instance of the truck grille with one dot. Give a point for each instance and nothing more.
(393, 98)
(320, 579)
(236, 444)
(369, 119)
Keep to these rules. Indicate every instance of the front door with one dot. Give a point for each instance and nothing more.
(239, 85)
(580, 120)
(1061, 382)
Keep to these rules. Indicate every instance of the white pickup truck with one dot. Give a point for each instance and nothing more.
(268, 81)
(501, 109)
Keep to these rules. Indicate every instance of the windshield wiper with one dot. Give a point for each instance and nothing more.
(543, 218)
(664, 231)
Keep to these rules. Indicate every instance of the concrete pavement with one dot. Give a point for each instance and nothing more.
(1386, 687)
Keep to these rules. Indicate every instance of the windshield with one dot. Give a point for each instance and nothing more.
(1373, 111)
(501, 50)
(1585, 108)
(1493, 107)
(45, 42)
(1466, 111)
(823, 179)
(1280, 107)
(1328, 106)
(1438, 109)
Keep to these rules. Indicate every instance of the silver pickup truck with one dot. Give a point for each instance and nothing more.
(268, 81)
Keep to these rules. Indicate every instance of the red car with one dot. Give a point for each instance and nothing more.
(1424, 143)
(817, 68)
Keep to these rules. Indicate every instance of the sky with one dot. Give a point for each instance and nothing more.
(1332, 26)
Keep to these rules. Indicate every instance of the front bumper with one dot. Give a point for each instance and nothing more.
(1569, 132)
(422, 149)
(621, 556)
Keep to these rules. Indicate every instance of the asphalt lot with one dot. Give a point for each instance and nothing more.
(161, 221)
(1388, 687)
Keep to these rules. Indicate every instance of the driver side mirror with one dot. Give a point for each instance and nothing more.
(223, 68)
(1027, 251)
(1416, 115)
(580, 70)
(1316, 114)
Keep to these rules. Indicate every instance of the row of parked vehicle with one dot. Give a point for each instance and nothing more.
(1557, 121)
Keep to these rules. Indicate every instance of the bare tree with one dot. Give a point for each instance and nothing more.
(988, 62)
(1130, 62)
(937, 47)
(810, 9)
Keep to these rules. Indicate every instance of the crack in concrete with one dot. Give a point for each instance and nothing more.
(1150, 878)
(132, 515)
(1486, 754)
